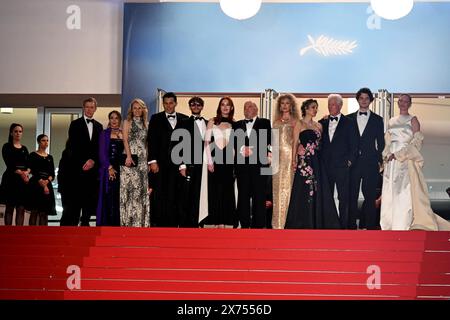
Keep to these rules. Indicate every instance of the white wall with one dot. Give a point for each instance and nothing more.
(39, 54)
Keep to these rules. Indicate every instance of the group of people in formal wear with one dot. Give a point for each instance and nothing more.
(187, 171)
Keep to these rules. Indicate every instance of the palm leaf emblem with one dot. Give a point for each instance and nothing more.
(328, 46)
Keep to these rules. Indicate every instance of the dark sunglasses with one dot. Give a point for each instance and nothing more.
(195, 104)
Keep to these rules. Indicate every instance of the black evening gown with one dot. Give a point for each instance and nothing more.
(41, 168)
(221, 197)
(311, 205)
(13, 190)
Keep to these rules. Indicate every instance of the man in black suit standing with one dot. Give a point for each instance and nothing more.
(365, 171)
(338, 153)
(165, 173)
(192, 163)
(252, 150)
(83, 139)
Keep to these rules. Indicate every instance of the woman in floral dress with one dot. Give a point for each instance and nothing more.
(310, 195)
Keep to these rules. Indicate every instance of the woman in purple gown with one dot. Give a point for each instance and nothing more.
(111, 148)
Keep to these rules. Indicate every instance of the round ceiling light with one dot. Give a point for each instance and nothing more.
(240, 9)
(392, 9)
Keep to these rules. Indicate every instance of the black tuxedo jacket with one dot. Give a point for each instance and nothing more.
(260, 138)
(371, 142)
(159, 138)
(343, 148)
(196, 143)
(81, 146)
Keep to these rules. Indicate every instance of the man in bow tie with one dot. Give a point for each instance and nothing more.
(191, 167)
(164, 171)
(83, 143)
(253, 153)
(365, 171)
(338, 153)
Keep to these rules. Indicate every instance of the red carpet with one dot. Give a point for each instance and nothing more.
(190, 264)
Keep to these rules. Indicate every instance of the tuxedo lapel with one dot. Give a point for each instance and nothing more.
(241, 125)
(325, 132)
(96, 130)
(191, 127)
(179, 119)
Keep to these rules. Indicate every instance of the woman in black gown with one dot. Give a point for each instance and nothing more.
(111, 149)
(13, 190)
(219, 150)
(42, 201)
(311, 205)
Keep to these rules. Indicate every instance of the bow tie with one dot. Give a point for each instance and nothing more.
(362, 113)
(197, 118)
(89, 120)
(170, 116)
(334, 118)
(248, 120)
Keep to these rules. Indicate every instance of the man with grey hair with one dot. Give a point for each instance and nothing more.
(253, 152)
(339, 151)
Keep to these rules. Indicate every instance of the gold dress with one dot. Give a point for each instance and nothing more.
(282, 179)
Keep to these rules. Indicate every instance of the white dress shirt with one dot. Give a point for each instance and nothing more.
(90, 126)
(201, 126)
(362, 121)
(172, 120)
(333, 125)
(249, 126)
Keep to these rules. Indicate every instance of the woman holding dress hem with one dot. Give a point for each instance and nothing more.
(405, 204)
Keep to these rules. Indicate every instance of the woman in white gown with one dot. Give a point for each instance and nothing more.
(405, 204)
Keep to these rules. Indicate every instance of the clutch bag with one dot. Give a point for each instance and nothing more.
(123, 157)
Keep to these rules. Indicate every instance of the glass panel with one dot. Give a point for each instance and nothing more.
(59, 126)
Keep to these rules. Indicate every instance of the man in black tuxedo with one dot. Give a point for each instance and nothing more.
(191, 166)
(252, 152)
(165, 173)
(366, 168)
(338, 153)
(83, 139)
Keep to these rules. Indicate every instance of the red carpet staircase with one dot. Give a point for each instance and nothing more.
(210, 264)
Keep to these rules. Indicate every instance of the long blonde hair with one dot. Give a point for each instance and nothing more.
(294, 107)
(144, 111)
